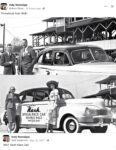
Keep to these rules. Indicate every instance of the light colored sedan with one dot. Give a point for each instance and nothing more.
(74, 59)
(73, 115)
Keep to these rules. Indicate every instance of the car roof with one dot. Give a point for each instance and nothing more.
(33, 89)
(42, 88)
(66, 47)
(39, 48)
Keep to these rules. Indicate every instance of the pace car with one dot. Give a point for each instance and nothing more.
(74, 115)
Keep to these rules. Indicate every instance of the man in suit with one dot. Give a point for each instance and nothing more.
(27, 59)
(8, 61)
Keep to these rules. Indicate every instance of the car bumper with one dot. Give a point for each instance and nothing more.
(95, 121)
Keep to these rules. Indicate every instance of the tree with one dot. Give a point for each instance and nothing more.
(16, 41)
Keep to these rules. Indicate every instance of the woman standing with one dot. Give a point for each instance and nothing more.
(10, 107)
(53, 103)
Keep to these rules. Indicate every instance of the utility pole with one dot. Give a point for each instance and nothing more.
(3, 25)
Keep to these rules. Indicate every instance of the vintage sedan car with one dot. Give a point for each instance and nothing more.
(71, 59)
(74, 115)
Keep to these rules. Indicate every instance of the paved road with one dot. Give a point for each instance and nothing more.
(3, 129)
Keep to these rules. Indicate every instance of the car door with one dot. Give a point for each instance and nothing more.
(26, 101)
(34, 108)
(53, 62)
(60, 63)
(41, 101)
(44, 64)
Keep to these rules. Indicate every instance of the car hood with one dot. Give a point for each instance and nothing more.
(95, 67)
(97, 102)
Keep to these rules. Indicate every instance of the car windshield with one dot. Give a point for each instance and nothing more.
(89, 55)
(99, 55)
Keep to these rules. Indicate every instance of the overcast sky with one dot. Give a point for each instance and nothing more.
(21, 27)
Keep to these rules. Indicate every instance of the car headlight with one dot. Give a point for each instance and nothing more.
(90, 112)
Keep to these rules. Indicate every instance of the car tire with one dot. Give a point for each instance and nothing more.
(99, 129)
(71, 125)
(41, 130)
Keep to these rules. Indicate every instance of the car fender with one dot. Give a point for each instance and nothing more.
(65, 111)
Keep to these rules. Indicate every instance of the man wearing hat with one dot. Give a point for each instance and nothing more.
(10, 107)
(8, 61)
(53, 101)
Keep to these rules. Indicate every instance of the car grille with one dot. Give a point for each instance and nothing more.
(102, 112)
(105, 120)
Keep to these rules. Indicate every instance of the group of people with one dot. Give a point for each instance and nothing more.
(27, 59)
(52, 113)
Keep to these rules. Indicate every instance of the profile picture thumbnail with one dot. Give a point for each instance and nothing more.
(6, 138)
(3, 6)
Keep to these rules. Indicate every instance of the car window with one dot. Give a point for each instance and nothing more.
(99, 54)
(47, 58)
(65, 94)
(81, 56)
(61, 58)
(27, 97)
(41, 95)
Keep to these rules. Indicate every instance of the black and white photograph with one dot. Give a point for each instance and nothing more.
(57, 74)
(66, 46)
(62, 104)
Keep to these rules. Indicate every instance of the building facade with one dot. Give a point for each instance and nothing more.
(95, 31)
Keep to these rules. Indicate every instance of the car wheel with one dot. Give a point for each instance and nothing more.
(41, 130)
(99, 129)
(71, 125)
